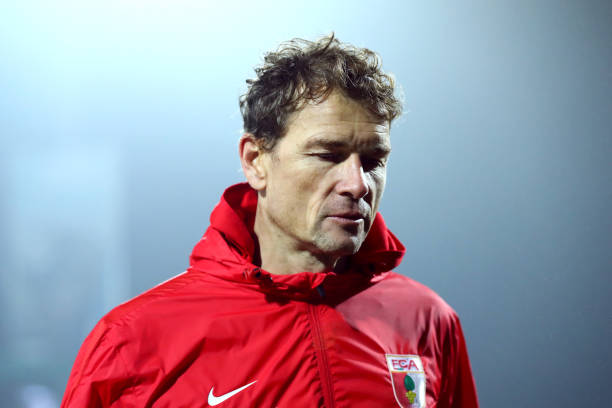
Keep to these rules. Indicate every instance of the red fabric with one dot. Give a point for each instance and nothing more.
(308, 339)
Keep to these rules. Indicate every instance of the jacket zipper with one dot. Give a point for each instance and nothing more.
(319, 344)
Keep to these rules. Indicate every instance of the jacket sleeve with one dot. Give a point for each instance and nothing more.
(459, 389)
(99, 377)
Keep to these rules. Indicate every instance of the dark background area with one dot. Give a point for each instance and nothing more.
(119, 124)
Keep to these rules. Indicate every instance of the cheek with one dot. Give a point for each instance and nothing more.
(295, 192)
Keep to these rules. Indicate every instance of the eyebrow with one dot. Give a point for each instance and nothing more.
(379, 149)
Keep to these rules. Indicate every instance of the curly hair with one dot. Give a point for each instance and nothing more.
(300, 71)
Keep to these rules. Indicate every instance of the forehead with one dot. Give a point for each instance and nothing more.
(337, 119)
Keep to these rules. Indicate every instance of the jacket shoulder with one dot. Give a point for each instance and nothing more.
(407, 292)
(134, 307)
(120, 351)
(402, 315)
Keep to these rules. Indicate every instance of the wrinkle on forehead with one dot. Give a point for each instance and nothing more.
(342, 122)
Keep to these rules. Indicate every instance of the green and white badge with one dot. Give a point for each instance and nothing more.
(408, 379)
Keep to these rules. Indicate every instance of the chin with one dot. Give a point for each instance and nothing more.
(339, 246)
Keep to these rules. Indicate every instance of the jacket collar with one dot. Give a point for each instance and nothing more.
(230, 240)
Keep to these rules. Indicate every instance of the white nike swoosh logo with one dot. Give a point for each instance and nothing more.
(212, 400)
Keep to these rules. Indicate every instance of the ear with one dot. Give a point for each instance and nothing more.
(251, 159)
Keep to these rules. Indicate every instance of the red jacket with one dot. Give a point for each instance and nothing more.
(227, 333)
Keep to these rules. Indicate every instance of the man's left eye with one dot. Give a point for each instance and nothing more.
(370, 163)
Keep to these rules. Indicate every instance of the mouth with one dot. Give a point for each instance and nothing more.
(348, 217)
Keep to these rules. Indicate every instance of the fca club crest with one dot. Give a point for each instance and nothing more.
(408, 379)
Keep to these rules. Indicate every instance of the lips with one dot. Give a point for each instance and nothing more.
(349, 215)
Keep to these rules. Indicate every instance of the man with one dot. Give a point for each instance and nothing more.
(289, 299)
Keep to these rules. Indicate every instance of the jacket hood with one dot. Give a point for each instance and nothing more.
(231, 241)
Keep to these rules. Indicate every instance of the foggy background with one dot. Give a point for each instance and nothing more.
(119, 124)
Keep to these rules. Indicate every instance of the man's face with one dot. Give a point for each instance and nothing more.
(325, 177)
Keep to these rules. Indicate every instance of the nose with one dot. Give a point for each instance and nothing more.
(352, 181)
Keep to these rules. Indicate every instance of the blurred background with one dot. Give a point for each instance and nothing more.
(119, 124)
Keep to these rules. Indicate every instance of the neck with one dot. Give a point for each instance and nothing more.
(282, 255)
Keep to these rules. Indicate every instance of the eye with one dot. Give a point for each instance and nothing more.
(371, 163)
(331, 157)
